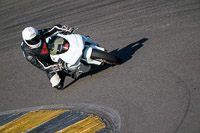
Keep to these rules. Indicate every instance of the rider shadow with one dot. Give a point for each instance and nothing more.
(125, 53)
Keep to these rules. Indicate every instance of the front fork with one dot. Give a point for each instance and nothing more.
(87, 52)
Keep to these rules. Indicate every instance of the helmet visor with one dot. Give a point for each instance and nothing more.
(34, 41)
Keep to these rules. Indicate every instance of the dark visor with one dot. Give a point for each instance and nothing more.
(34, 41)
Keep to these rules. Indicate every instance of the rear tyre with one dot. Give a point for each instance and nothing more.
(105, 57)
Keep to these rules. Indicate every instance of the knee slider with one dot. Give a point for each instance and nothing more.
(55, 80)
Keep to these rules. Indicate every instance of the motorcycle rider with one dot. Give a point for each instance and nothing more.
(35, 50)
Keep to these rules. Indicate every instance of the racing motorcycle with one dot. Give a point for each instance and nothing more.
(76, 53)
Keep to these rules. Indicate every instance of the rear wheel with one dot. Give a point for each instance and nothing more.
(105, 57)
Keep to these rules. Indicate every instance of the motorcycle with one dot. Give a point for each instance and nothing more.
(76, 53)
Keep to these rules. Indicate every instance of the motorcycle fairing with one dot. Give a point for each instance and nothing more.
(58, 45)
(74, 53)
(78, 51)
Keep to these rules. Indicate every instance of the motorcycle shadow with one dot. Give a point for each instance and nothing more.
(125, 53)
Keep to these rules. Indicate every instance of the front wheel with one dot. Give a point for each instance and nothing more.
(105, 57)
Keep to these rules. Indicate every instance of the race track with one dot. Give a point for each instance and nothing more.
(156, 89)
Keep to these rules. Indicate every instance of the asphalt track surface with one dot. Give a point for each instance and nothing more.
(156, 90)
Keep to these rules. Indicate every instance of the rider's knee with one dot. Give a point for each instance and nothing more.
(56, 81)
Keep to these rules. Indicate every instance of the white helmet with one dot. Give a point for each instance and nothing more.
(31, 37)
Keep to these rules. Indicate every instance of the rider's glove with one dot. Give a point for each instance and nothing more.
(68, 29)
(55, 68)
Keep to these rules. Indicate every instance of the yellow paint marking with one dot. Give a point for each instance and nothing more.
(29, 121)
(90, 124)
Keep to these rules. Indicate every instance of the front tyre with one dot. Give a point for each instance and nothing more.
(105, 57)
